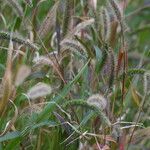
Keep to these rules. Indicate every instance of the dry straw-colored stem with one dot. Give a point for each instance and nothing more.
(7, 81)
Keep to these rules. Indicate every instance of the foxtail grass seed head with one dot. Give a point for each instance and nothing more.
(112, 71)
(42, 60)
(92, 4)
(84, 24)
(23, 72)
(105, 24)
(73, 45)
(136, 71)
(49, 21)
(116, 9)
(39, 90)
(7, 36)
(147, 83)
(67, 17)
(97, 100)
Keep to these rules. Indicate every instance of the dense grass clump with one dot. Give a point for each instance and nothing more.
(74, 75)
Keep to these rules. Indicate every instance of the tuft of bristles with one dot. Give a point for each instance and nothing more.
(147, 83)
(43, 60)
(112, 71)
(97, 100)
(49, 21)
(136, 71)
(103, 61)
(7, 36)
(73, 45)
(105, 24)
(79, 27)
(67, 16)
(39, 90)
(116, 9)
(132, 72)
(49, 59)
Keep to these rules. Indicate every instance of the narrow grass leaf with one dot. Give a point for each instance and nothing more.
(10, 136)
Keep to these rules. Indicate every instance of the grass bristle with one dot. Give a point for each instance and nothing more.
(116, 9)
(97, 100)
(105, 24)
(147, 83)
(39, 90)
(49, 21)
(17, 39)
